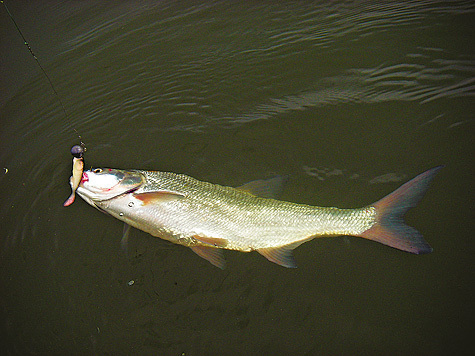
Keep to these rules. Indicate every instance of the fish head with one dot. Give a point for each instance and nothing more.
(106, 183)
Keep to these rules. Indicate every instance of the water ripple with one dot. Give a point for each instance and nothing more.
(142, 68)
(186, 88)
(399, 82)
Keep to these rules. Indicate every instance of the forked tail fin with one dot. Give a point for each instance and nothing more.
(390, 228)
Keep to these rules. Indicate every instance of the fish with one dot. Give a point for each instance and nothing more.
(209, 218)
(78, 167)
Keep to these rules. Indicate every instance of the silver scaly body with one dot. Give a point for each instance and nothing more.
(247, 222)
(208, 217)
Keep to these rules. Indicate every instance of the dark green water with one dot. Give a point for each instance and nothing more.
(350, 99)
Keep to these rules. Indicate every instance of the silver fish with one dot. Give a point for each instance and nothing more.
(209, 217)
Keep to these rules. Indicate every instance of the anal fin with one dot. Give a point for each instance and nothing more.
(282, 255)
(212, 254)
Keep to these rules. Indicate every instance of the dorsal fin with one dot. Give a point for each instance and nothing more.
(264, 188)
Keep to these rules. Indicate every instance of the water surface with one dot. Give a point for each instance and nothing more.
(350, 99)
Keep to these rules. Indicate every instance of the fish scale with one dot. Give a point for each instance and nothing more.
(251, 222)
(208, 217)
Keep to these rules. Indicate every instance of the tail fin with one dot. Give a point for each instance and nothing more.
(390, 228)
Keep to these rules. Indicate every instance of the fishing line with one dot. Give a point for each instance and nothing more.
(44, 72)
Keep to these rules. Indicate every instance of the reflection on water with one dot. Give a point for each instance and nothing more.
(323, 173)
(338, 95)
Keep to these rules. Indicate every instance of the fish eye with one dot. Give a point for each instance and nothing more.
(98, 170)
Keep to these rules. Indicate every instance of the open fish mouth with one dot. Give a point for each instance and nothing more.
(84, 178)
(105, 184)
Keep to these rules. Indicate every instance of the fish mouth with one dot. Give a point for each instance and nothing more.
(95, 201)
(84, 178)
(104, 194)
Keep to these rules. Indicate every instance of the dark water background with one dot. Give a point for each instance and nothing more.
(349, 98)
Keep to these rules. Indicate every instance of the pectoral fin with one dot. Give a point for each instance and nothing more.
(158, 197)
(264, 188)
(212, 254)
